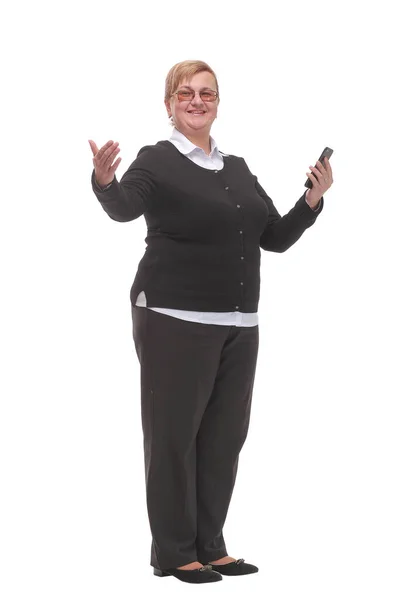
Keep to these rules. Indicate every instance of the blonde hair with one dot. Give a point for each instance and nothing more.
(185, 70)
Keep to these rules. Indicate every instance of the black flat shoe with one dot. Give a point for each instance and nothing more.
(205, 574)
(238, 567)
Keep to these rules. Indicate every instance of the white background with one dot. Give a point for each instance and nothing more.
(317, 494)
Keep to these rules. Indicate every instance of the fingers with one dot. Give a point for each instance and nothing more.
(326, 173)
(105, 152)
(112, 167)
(322, 176)
(328, 170)
(313, 177)
(93, 147)
(105, 156)
(319, 177)
(321, 168)
(328, 166)
(115, 165)
(110, 154)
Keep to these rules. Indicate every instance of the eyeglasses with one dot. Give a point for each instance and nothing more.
(205, 95)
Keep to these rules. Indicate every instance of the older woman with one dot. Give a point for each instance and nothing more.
(194, 311)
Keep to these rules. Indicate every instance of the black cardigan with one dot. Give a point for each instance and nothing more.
(205, 229)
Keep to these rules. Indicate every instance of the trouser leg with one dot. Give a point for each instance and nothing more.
(179, 363)
(222, 433)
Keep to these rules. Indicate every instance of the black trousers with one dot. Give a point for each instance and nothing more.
(196, 390)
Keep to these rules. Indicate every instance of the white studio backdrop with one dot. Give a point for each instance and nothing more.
(317, 493)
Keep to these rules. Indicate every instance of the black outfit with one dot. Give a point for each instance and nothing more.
(205, 230)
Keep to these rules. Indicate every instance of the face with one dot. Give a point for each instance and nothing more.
(184, 118)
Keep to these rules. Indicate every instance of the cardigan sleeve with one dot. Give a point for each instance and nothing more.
(281, 232)
(130, 198)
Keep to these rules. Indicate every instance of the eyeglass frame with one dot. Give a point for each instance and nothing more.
(194, 94)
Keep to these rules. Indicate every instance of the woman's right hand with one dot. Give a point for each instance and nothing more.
(102, 161)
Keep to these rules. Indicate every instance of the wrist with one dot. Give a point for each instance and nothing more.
(312, 204)
(103, 186)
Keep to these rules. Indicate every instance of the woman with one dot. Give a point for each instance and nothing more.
(194, 311)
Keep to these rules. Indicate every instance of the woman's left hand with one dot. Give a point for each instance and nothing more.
(321, 179)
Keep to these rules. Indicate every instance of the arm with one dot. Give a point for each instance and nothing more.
(130, 198)
(282, 232)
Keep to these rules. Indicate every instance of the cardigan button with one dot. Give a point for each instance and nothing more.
(227, 187)
(236, 307)
(215, 171)
(242, 257)
(238, 205)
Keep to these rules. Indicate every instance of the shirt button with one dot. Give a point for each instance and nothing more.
(240, 231)
(241, 283)
(242, 257)
(227, 187)
(238, 205)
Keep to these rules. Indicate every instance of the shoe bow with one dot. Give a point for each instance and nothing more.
(206, 568)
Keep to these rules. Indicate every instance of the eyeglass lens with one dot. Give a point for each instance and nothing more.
(205, 95)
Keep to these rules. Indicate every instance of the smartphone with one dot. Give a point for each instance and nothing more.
(328, 153)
